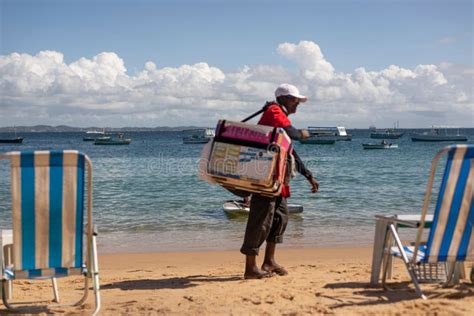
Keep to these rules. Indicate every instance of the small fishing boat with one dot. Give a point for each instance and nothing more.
(382, 145)
(233, 207)
(199, 136)
(15, 140)
(107, 140)
(12, 140)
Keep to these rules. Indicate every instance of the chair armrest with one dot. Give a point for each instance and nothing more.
(393, 219)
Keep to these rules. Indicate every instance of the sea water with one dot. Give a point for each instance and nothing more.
(147, 195)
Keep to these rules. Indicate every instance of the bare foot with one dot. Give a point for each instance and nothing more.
(274, 268)
(257, 274)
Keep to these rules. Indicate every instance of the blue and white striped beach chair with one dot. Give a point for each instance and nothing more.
(48, 212)
(451, 237)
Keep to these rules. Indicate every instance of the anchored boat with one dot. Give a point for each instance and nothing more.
(326, 135)
(15, 140)
(199, 136)
(12, 140)
(107, 140)
(337, 133)
(382, 145)
(93, 135)
(435, 135)
(319, 140)
(233, 207)
(386, 134)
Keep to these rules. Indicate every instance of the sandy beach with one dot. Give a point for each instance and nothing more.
(320, 281)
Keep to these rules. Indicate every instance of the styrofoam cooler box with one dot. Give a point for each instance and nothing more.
(249, 157)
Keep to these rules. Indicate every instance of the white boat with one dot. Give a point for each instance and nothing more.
(93, 135)
(199, 136)
(337, 133)
(95, 132)
(435, 135)
(233, 207)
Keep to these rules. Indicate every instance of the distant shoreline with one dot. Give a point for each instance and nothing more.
(71, 129)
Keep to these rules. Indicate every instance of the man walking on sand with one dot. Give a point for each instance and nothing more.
(268, 216)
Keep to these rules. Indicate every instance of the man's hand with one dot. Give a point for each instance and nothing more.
(314, 185)
(304, 134)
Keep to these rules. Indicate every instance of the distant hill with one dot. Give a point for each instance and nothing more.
(66, 129)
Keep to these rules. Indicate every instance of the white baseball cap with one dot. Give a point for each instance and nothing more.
(288, 89)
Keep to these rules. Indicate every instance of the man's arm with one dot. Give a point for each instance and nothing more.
(301, 168)
(306, 173)
(297, 134)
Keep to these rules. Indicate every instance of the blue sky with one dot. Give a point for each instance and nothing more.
(230, 35)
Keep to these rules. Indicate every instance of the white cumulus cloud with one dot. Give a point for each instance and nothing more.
(308, 56)
(44, 89)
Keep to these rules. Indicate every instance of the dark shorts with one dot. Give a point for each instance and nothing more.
(267, 220)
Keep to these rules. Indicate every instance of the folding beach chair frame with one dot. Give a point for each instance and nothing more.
(92, 264)
(453, 269)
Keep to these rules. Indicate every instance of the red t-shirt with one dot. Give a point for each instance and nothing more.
(276, 117)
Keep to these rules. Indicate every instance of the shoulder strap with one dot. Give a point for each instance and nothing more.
(265, 107)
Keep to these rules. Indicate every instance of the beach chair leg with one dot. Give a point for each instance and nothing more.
(472, 273)
(390, 267)
(453, 274)
(457, 272)
(387, 260)
(4, 293)
(55, 290)
(4, 296)
(415, 282)
(378, 250)
(462, 270)
(9, 289)
(95, 272)
(96, 294)
(389, 243)
(8, 256)
(408, 265)
(86, 292)
(385, 271)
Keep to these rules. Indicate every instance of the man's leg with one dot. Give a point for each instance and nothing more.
(252, 271)
(280, 220)
(258, 227)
